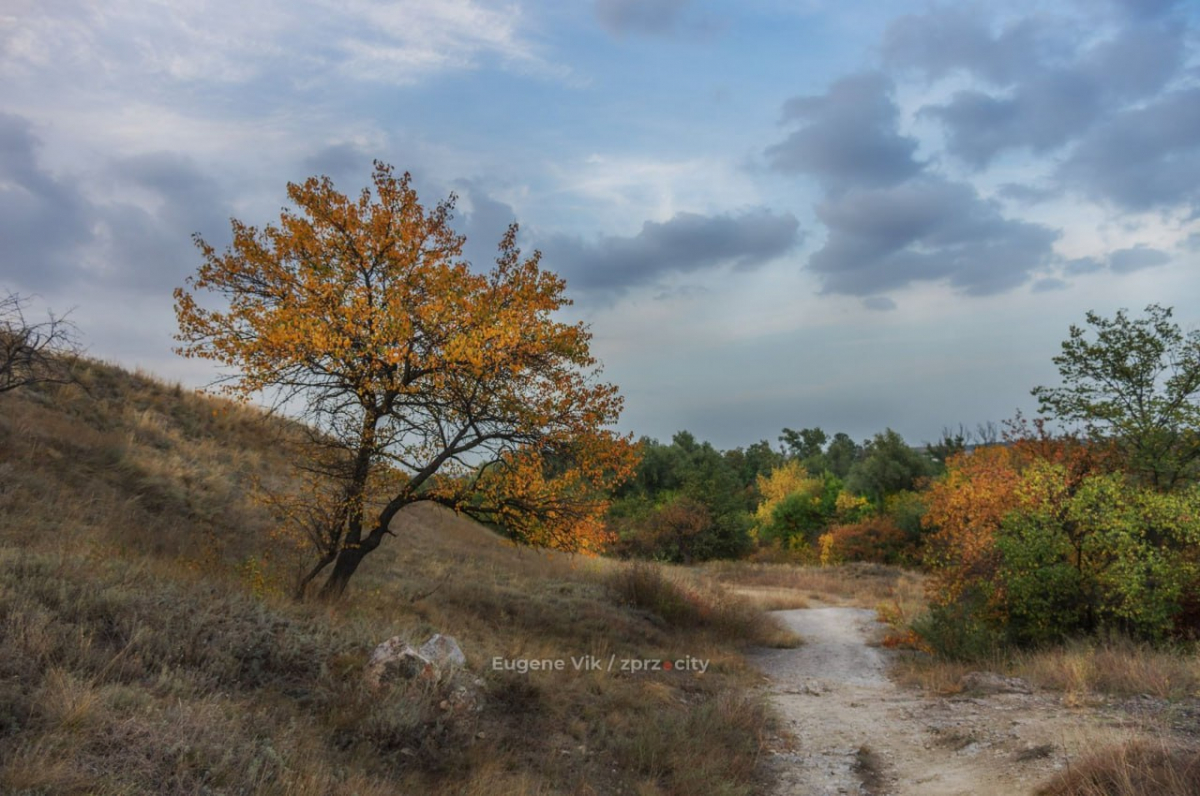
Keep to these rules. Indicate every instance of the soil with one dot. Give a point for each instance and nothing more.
(848, 729)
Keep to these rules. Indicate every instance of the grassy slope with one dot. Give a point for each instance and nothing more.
(145, 650)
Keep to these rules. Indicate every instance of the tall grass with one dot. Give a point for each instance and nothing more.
(148, 648)
(1137, 768)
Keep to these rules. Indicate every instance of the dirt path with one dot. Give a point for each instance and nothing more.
(854, 731)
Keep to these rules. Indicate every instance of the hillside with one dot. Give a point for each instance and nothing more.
(150, 646)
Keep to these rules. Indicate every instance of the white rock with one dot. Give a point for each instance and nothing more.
(395, 659)
(443, 651)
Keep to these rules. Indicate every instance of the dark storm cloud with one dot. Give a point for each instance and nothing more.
(1051, 105)
(847, 136)
(639, 16)
(1124, 261)
(687, 243)
(921, 231)
(44, 221)
(1143, 158)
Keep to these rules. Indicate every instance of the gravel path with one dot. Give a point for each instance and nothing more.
(856, 732)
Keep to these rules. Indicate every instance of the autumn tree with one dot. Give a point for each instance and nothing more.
(1136, 382)
(360, 313)
(34, 352)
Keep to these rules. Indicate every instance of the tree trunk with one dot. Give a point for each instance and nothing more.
(347, 563)
(344, 569)
(302, 586)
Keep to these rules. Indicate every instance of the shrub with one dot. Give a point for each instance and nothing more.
(1045, 550)
(876, 539)
(680, 530)
(959, 630)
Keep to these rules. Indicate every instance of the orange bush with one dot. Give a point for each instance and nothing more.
(964, 510)
(876, 539)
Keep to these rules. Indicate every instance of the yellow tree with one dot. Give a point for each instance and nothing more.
(361, 313)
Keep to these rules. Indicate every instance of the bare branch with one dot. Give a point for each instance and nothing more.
(35, 353)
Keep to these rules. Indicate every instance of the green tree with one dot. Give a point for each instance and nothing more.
(805, 443)
(686, 468)
(1135, 382)
(841, 454)
(888, 465)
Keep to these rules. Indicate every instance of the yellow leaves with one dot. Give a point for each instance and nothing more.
(785, 480)
(361, 302)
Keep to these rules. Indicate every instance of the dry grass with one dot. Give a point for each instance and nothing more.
(686, 601)
(1115, 666)
(773, 598)
(1080, 670)
(148, 648)
(896, 594)
(1135, 768)
(931, 674)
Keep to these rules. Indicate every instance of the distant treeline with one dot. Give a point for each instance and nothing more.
(689, 501)
(1084, 520)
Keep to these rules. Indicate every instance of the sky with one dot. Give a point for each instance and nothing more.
(853, 215)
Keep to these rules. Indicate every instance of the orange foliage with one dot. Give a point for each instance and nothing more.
(360, 312)
(873, 539)
(964, 509)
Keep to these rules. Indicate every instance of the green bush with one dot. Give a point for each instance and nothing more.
(959, 630)
(1041, 592)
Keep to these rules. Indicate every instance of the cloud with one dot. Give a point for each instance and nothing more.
(1025, 194)
(54, 235)
(1145, 8)
(1083, 265)
(126, 42)
(1042, 116)
(639, 16)
(45, 222)
(148, 246)
(1125, 261)
(687, 243)
(1051, 104)
(483, 223)
(1048, 285)
(847, 136)
(879, 303)
(1143, 158)
(925, 230)
(946, 40)
(345, 163)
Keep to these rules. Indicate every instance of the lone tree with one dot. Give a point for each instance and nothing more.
(1137, 384)
(34, 353)
(413, 371)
